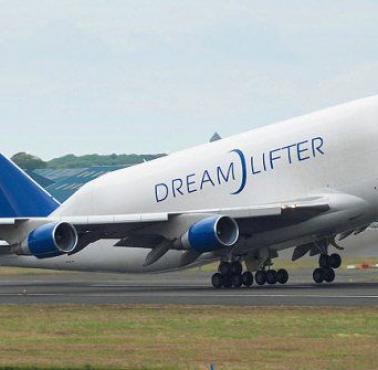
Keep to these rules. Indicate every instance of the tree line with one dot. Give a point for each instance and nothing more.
(31, 162)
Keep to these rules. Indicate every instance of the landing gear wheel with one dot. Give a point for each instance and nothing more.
(334, 261)
(318, 275)
(324, 260)
(225, 268)
(217, 281)
(247, 278)
(329, 275)
(227, 281)
(236, 281)
(271, 277)
(260, 277)
(236, 268)
(282, 276)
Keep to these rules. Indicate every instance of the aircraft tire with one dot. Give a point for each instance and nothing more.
(227, 281)
(225, 268)
(335, 261)
(271, 277)
(247, 279)
(329, 275)
(324, 261)
(217, 281)
(236, 281)
(260, 277)
(236, 268)
(282, 276)
(318, 275)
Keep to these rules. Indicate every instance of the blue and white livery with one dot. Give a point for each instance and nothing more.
(305, 183)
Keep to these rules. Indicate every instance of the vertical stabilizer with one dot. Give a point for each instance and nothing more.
(20, 196)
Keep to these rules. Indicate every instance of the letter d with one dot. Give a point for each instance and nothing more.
(161, 192)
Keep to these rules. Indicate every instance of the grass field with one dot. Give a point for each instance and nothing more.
(19, 271)
(181, 337)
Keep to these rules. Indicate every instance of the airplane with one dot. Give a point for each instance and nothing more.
(306, 184)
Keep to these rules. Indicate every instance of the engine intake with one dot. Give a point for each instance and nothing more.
(50, 240)
(211, 233)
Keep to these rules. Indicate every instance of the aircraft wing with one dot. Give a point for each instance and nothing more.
(313, 205)
(149, 230)
(105, 225)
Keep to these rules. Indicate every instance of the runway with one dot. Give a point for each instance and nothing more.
(352, 288)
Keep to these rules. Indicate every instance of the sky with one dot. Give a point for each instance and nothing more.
(148, 76)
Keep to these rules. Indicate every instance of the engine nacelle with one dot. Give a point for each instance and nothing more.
(50, 240)
(210, 234)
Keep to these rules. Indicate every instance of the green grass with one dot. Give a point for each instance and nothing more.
(183, 337)
(19, 271)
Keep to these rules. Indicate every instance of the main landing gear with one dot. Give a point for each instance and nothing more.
(327, 266)
(271, 277)
(230, 275)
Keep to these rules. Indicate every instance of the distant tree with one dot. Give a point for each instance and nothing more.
(96, 160)
(28, 162)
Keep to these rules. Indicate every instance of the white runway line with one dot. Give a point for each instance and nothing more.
(193, 286)
(149, 295)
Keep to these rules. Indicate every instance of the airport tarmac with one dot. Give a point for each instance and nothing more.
(351, 288)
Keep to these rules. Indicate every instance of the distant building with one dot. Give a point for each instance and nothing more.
(41, 180)
(63, 183)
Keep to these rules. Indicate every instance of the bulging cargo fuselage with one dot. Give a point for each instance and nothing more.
(334, 150)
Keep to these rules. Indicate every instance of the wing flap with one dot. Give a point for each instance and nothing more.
(115, 219)
(312, 205)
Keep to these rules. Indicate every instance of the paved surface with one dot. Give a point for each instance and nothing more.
(352, 288)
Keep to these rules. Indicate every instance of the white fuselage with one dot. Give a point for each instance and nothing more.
(331, 150)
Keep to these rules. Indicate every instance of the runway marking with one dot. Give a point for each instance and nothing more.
(142, 295)
(142, 286)
(194, 286)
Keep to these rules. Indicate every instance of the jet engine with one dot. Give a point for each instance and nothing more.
(210, 234)
(50, 240)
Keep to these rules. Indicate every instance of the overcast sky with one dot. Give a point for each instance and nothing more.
(157, 76)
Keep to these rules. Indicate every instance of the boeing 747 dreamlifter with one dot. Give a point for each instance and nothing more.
(305, 184)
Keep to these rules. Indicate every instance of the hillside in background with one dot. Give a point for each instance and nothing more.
(30, 162)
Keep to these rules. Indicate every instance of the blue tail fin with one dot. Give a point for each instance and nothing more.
(20, 196)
